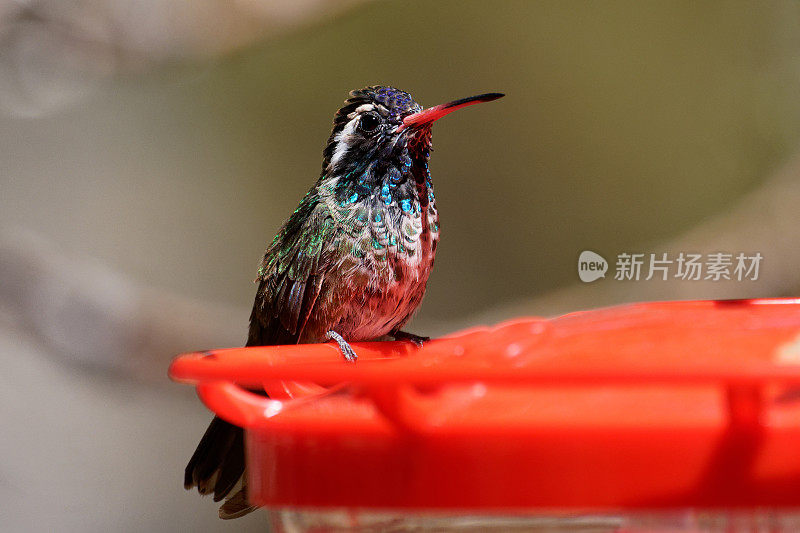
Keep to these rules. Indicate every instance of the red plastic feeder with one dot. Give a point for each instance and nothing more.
(654, 406)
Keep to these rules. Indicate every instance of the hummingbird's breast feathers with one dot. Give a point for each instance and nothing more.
(382, 226)
(357, 252)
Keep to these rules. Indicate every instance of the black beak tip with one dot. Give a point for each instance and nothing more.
(488, 97)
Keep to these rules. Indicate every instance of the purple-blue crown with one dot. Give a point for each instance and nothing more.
(395, 100)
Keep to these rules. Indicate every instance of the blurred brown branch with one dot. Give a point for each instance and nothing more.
(93, 317)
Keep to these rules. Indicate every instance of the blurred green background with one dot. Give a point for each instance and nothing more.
(625, 122)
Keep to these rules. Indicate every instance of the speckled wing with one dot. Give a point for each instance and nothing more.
(291, 275)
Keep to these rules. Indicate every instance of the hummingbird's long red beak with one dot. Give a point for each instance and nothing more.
(426, 116)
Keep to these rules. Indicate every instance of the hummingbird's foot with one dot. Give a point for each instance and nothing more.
(347, 350)
(406, 336)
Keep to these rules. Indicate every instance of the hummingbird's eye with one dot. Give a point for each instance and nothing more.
(369, 121)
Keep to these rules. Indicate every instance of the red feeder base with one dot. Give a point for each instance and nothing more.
(651, 406)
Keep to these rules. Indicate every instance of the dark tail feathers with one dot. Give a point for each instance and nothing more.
(217, 465)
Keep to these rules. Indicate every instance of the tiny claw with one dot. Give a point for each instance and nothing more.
(418, 340)
(347, 350)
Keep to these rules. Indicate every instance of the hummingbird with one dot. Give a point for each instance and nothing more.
(350, 264)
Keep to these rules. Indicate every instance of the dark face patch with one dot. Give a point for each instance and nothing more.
(391, 104)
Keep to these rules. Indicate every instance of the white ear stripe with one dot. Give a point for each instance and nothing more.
(342, 140)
